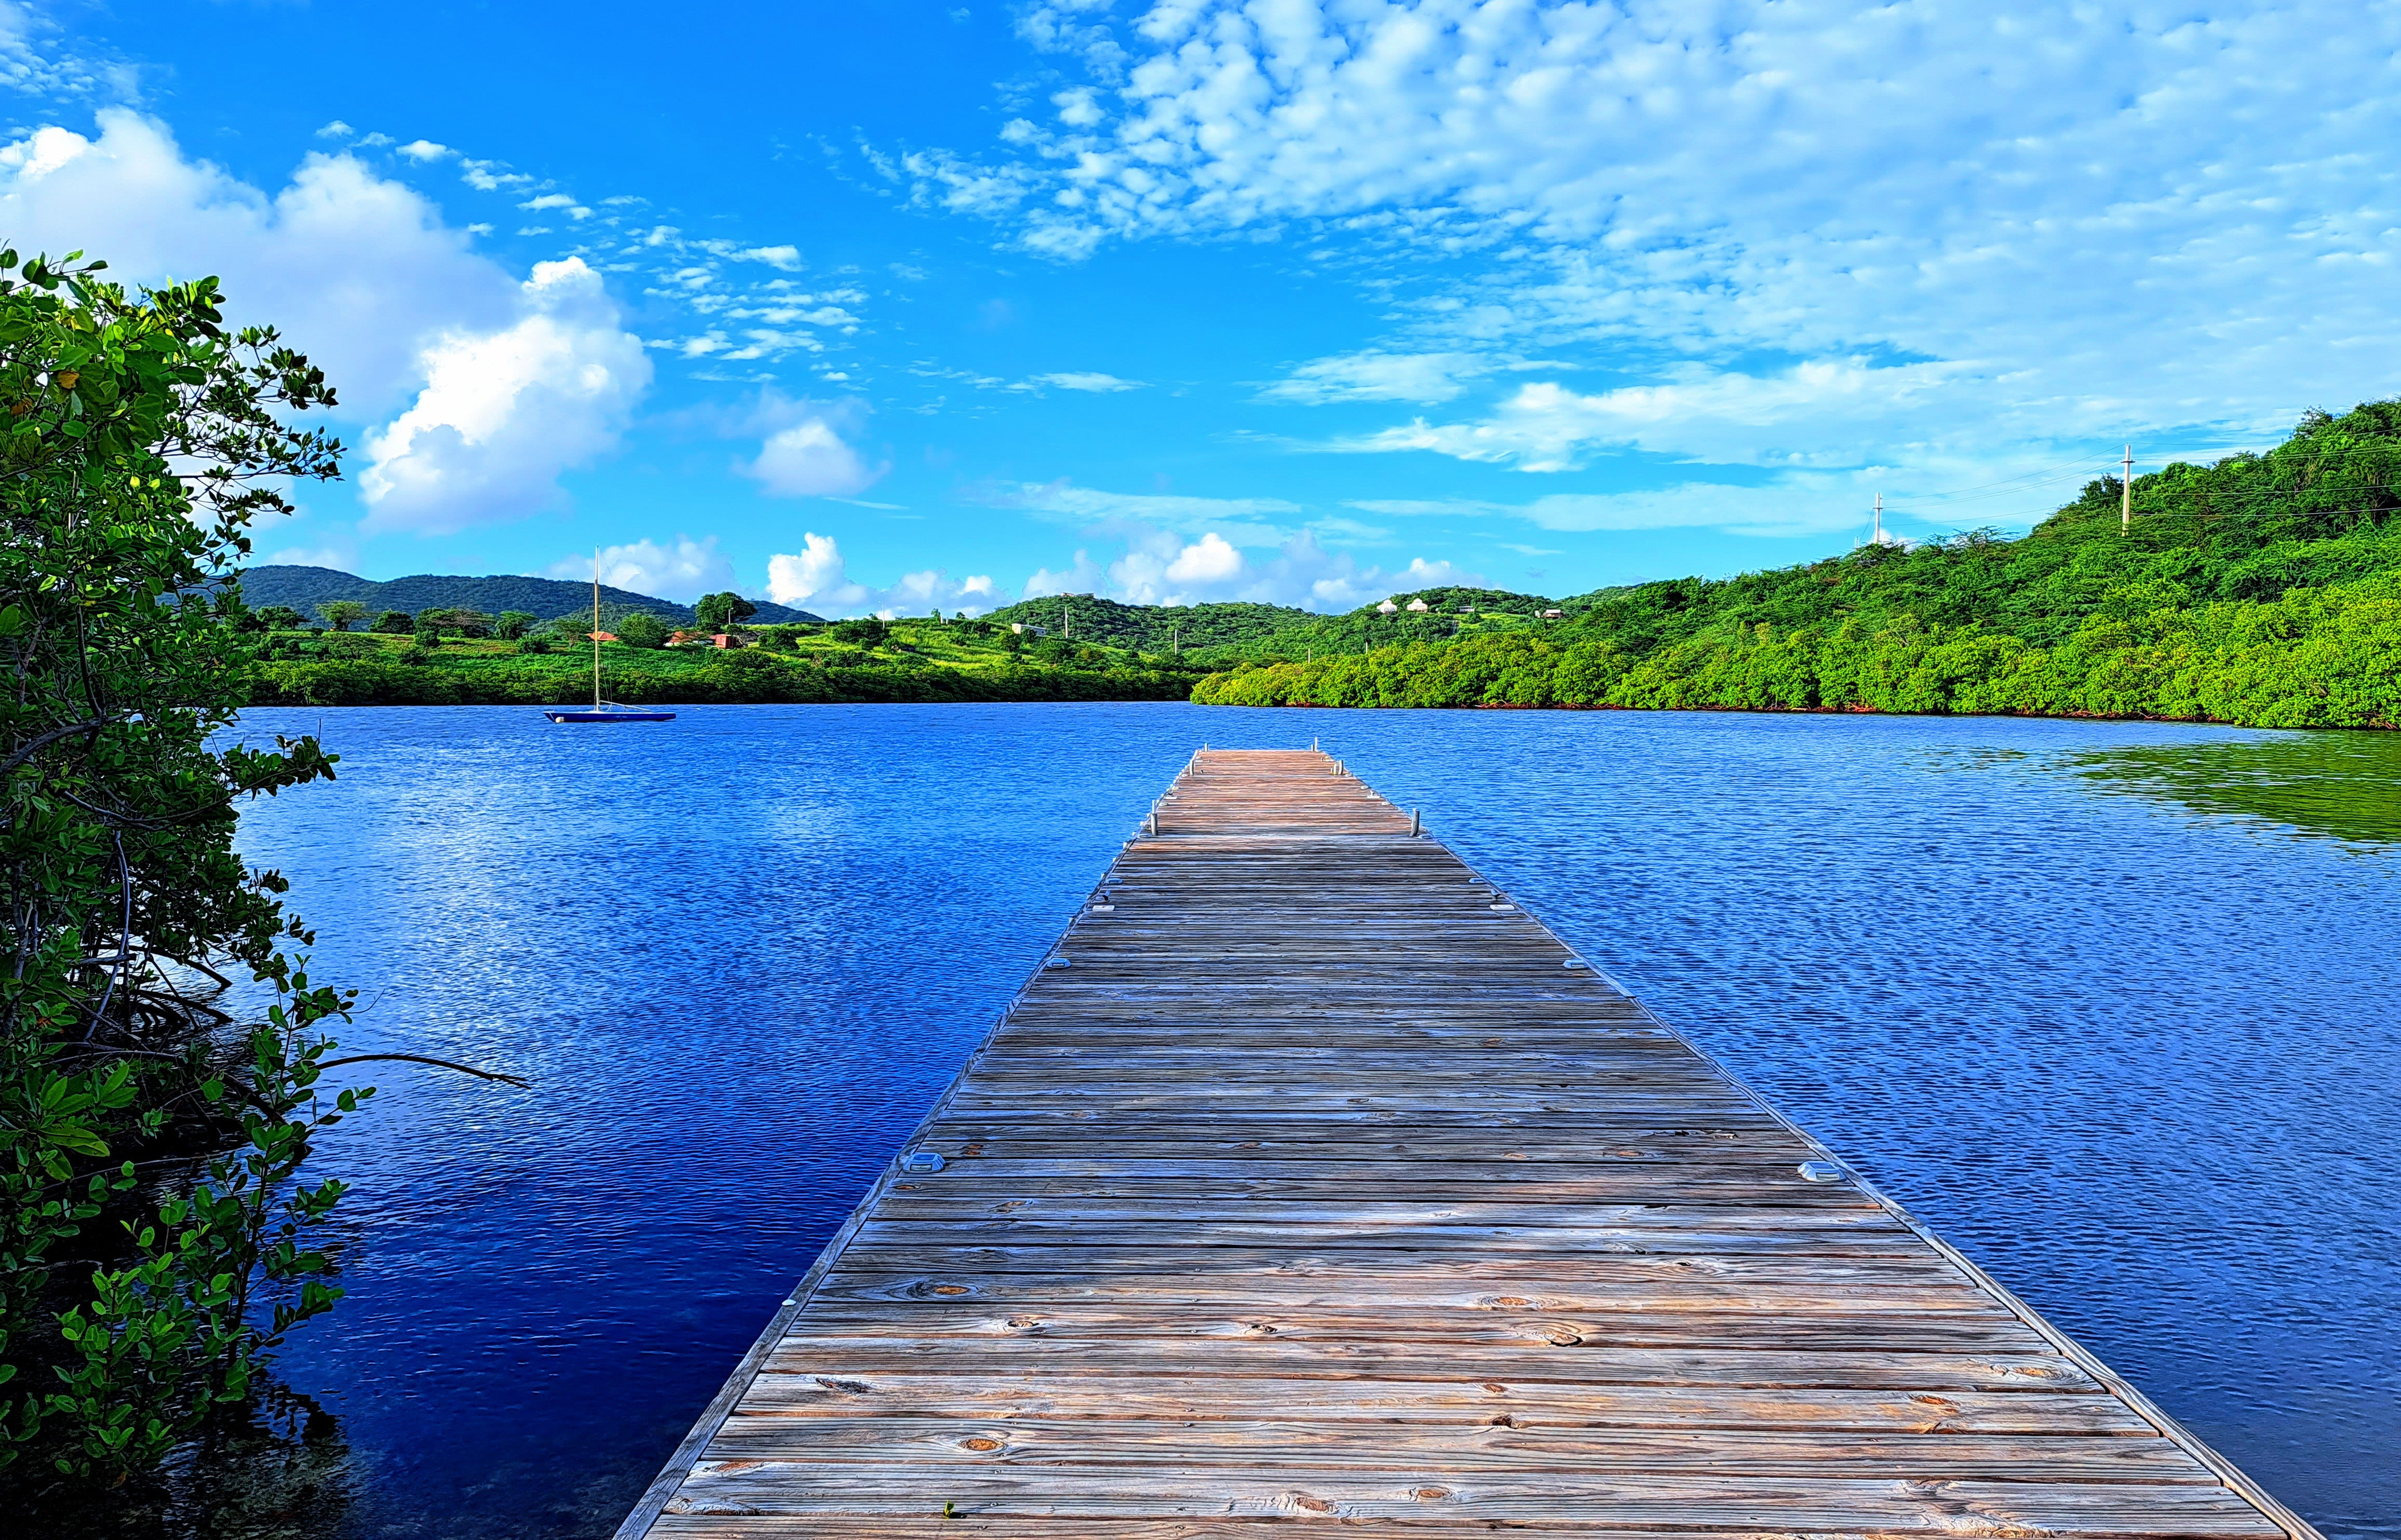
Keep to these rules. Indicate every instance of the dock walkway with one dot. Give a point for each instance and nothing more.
(1310, 1180)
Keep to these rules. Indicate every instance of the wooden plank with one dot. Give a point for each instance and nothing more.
(1316, 1185)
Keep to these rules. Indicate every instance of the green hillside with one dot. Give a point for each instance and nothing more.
(1197, 629)
(303, 588)
(2262, 589)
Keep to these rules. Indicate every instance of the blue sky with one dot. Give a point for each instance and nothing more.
(888, 307)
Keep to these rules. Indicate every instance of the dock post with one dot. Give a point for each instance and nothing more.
(1414, 826)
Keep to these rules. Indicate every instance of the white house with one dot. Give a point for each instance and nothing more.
(1419, 606)
(1388, 607)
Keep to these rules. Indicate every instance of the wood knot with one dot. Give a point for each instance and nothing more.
(1311, 1504)
(1508, 1300)
(1565, 1338)
(948, 1288)
(983, 1445)
(1503, 1421)
(848, 1387)
(1497, 1390)
(1430, 1495)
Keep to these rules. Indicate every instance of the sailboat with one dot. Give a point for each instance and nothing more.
(602, 711)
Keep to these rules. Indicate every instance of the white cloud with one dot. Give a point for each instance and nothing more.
(1097, 383)
(1802, 503)
(1818, 412)
(2102, 215)
(681, 571)
(422, 151)
(491, 176)
(505, 412)
(358, 271)
(1377, 375)
(1160, 567)
(804, 454)
(341, 558)
(787, 258)
(336, 130)
(1241, 519)
(814, 579)
(1082, 576)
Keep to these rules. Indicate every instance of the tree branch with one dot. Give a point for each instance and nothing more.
(419, 1058)
(53, 736)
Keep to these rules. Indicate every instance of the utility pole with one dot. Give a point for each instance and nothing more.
(1879, 519)
(1065, 629)
(2126, 493)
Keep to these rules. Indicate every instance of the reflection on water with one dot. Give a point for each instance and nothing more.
(2144, 1065)
(2345, 785)
(276, 1467)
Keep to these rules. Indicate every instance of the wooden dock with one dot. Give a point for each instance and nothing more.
(1311, 1181)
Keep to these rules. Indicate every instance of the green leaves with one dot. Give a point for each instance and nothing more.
(137, 442)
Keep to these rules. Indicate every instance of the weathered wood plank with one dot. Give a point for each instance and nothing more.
(1318, 1186)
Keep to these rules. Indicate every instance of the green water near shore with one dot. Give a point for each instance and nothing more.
(2345, 786)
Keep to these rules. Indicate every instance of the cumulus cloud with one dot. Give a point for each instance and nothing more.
(804, 453)
(492, 386)
(1161, 567)
(504, 413)
(682, 570)
(814, 579)
(357, 270)
(423, 150)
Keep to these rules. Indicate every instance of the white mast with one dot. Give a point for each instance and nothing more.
(595, 627)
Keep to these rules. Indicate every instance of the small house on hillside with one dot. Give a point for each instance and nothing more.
(1021, 628)
(601, 636)
(1419, 606)
(1388, 607)
(1554, 614)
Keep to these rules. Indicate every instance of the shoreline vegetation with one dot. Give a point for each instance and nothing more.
(2263, 590)
(452, 658)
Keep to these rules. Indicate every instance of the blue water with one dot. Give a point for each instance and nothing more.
(2135, 1055)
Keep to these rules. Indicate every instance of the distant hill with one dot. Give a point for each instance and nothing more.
(1152, 628)
(1225, 633)
(306, 588)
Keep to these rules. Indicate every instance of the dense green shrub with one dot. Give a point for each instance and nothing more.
(142, 439)
(2265, 590)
